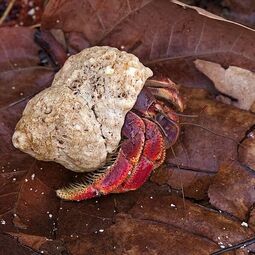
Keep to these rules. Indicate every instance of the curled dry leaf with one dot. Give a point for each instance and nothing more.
(234, 81)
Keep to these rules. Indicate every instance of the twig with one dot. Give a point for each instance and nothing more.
(7, 11)
(234, 247)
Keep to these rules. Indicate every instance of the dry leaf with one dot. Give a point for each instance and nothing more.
(241, 12)
(169, 46)
(246, 151)
(11, 246)
(234, 81)
(207, 155)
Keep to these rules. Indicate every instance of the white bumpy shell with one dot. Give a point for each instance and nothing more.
(77, 121)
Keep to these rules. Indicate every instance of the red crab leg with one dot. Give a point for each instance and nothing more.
(152, 156)
(108, 179)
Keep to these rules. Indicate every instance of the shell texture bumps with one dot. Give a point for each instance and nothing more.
(77, 121)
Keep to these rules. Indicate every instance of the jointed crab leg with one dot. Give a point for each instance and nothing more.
(152, 156)
(108, 179)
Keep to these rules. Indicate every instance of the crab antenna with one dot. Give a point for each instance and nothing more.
(182, 189)
(187, 115)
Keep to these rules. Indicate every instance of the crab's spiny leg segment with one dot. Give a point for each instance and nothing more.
(106, 180)
(152, 156)
(114, 175)
(85, 190)
(77, 192)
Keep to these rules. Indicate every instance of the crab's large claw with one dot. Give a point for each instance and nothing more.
(111, 176)
(153, 155)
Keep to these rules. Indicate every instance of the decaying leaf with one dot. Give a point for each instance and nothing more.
(11, 246)
(234, 81)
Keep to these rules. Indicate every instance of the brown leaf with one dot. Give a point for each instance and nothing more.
(41, 244)
(252, 218)
(246, 151)
(238, 11)
(27, 193)
(241, 11)
(11, 246)
(169, 45)
(194, 183)
(202, 150)
(127, 238)
(20, 74)
(233, 180)
(196, 219)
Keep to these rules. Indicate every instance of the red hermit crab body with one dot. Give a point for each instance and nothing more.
(150, 128)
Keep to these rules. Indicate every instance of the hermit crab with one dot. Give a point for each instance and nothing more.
(102, 116)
